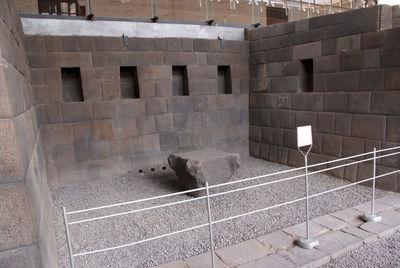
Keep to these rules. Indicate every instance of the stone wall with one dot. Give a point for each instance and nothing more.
(352, 102)
(26, 225)
(106, 135)
(188, 10)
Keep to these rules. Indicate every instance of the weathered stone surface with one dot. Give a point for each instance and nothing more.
(195, 168)
(204, 260)
(307, 257)
(299, 230)
(330, 222)
(277, 240)
(338, 243)
(243, 252)
(273, 260)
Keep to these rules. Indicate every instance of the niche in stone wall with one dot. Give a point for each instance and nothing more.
(224, 80)
(129, 83)
(180, 84)
(307, 79)
(71, 84)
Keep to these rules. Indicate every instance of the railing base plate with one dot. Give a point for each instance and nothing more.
(372, 217)
(307, 243)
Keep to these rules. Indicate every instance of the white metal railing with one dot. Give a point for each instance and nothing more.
(208, 196)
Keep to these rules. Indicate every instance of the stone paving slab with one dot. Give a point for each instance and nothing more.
(299, 230)
(330, 222)
(277, 240)
(243, 252)
(204, 260)
(307, 257)
(338, 243)
(175, 264)
(347, 215)
(380, 229)
(367, 237)
(273, 261)
(391, 218)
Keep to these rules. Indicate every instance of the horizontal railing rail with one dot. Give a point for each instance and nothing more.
(208, 196)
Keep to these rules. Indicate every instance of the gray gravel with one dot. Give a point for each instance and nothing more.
(125, 229)
(383, 253)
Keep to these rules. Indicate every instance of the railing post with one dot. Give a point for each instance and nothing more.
(304, 138)
(210, 224)
(68, 238)
(372, 217)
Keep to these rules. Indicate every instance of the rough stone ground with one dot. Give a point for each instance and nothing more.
(383, 253)
(132, 227)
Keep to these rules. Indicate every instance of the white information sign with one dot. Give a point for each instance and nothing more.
(304, 136)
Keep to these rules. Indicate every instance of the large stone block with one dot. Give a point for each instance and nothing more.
(348, 44)
(343, 124)
(332, 145)
(335, 102)
(393, 129)
(385, 103)
(353, 146)
(359, 102)
(371, 59)
(326, 64)
(368, 126)
(16, 225)
(124, 127)
(74, 112)
(307, 51)
(343, 81)
(389, 57)
(130, 108)
(306, 118)
(21, 257)
(392, 79)
(326, 123)
(370, 40)
(102, 129)
(195, 168)
(58, 134)
(371, 80)
(104, 110)
(390, 37)
(168, 142)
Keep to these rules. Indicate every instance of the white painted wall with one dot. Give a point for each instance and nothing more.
(37, 26)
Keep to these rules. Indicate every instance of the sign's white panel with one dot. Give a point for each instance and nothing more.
(304, 136)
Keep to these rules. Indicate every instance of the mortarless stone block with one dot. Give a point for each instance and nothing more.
(371, 59)
(124, 127)
(370, 40)
(326, 64)
(73, 112)
(326, 123)
(195, 168)
(371, 80)
(168, 142)
(343, 124)
(343, 81)
(369, 126)
(307, 51)
(353, 146)
(392, 129)
(335, 102)
(332, 145)
(389, 57)
(359, 102)
(392, 79)
(385, 103)
(16, 222)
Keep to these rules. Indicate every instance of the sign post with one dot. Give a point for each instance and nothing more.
(304, 139)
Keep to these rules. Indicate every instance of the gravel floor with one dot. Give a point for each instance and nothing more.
(383, 253)
(132, 227)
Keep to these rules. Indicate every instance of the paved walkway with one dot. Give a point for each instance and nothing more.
(338, 233)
